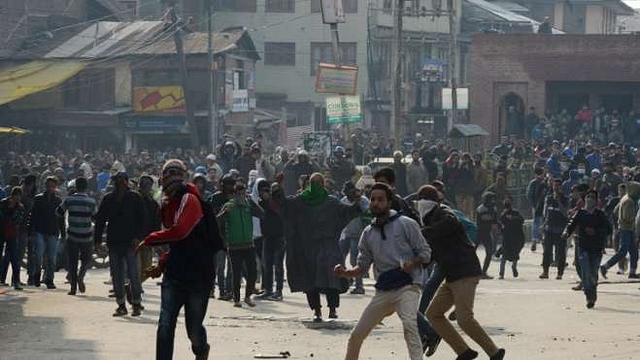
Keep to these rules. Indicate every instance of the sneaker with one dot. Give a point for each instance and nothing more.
(501, 277)
(424, 340)
(18, 287)
(432, 346)
(533, 247)
(264, 296)
(499, 355)
(590, 303)
(486, 276)
(277, 296)
(577, 287)
(249, 302)
(51, 286)
(544, 275)
(515, 273)
(634, 276)
(620, 272)
(71, 292)
(121, 311)
(237, 304)
(603, 271)
(317, 316)
(559, 277)
(357, 291)
(333, 314)
(204, 355)
(468, 355)
(137, 310)
(81, 286)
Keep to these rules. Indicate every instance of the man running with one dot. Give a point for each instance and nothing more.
(394, 245)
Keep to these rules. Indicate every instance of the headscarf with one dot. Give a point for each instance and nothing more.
(314, 194)
(173, 174)
(425, 207)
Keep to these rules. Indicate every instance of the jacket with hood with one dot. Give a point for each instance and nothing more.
(628, 207)
(486, 215)
(191, 256)
(388, 245)
(452, 249)
(592, 229)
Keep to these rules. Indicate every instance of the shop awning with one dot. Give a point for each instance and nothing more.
(19, 81)
(467, 131)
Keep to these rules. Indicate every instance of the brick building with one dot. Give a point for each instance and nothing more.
(551, 73)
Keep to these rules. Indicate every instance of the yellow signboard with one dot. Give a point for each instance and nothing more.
(158, 99)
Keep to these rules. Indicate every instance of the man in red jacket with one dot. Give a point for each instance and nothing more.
(193, 238)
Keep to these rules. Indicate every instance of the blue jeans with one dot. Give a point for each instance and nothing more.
(195, 299)
(11, 251)
(350, 246)
(536, 234)
(428, 291)
(44, 245)
(273, 261)
(224, 282)
(118, 257)
(590, 264)
(627, 245)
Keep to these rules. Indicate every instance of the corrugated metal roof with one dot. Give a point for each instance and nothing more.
(506, 15)
(114, 39)
(511, 6)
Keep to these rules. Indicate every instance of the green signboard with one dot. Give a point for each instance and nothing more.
(343, 109)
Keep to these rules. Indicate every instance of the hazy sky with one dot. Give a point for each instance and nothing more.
(633, 3)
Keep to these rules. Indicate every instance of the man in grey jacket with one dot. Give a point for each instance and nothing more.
(395, 246)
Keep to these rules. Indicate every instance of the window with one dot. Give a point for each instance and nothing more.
(348, 6)
(323, 52)
(91, 89)
(280, 54)
(280, 6)
(239, 81)
(236, 5)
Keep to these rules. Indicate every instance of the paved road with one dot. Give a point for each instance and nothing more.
(531, 318)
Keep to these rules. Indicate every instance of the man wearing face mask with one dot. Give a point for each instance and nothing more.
(217, 201)
(456, 256)
(592, 228)
(193, 236)
(555, 220)
(487, 220)
(124, 210)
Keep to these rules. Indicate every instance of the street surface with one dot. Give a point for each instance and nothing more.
(531, 318)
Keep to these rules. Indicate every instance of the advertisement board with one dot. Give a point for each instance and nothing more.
(343, 109)
(159, 99)
(331, 79)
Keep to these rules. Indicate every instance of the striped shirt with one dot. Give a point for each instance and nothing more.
(81, 208)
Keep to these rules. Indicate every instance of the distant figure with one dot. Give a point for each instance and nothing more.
(545, 27)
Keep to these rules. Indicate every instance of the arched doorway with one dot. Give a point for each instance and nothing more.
(507, 101)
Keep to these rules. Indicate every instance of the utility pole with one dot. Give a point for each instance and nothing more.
(184, 78)
(213, 90)
(453, 45)
(396, 89)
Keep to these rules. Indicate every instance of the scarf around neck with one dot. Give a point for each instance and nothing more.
(314, 194)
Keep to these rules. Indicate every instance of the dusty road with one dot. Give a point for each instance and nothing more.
(531, 318)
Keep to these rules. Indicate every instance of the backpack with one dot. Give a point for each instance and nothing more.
(469, 226)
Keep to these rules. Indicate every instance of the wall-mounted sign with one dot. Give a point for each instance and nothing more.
(343, 109)
(462, 97)
(240, 101)
(332, 11)
(158, 99)
(331, 79)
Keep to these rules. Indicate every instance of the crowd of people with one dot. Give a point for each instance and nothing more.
(207, 220)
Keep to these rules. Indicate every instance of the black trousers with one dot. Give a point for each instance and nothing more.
(553, 242)
(78, 251)
(238, 258)
(486, 240)
(333, 298)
